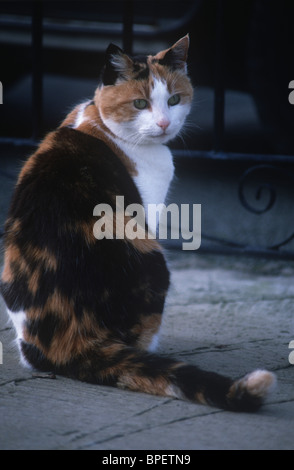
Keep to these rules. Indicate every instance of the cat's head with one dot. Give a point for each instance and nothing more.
(145, 100)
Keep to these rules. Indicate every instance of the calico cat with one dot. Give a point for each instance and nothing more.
(91, 308)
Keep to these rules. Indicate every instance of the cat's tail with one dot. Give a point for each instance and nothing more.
(133, 369)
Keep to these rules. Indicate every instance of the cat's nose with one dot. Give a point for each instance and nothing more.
(163, 124)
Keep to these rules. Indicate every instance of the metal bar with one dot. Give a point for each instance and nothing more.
(231, 250)
(37, 76)
(219, 88)
(231, 156)
(128, 20)
(101, 27)
(180, 154)
(18, 142)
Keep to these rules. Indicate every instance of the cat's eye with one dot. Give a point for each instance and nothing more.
(173, 100)
(140, 104)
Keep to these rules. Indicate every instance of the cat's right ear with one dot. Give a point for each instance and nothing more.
(116, 66)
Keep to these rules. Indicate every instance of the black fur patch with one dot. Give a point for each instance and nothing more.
(16, 293)
(109, 74)
(36, 358)
(143, 74)
(44, 328)
(171, 60)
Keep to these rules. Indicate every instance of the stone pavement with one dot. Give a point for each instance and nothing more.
(228, 314)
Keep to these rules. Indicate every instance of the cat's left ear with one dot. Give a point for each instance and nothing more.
(176, 56)
(117, 65)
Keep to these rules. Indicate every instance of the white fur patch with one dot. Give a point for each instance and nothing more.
(18, 319)
(80, 116)
(154, 343)
(159, 102)
(155, 169)
(259, 382)
(174, 392)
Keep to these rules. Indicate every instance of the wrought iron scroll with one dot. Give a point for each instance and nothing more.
(267, 188)
(272, 195)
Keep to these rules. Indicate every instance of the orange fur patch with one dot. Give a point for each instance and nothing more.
(70, 118)
(146, 328)
(45, 146)
(139, 383)
(13, 256)
(72, 336)
(145, 245)
(43, 254)
(117, 101)
(94, 126)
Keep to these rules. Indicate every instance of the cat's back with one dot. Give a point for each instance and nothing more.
(71, 160)
(69, 174)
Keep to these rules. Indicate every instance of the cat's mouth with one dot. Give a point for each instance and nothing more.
(163, 133)
(164, 136)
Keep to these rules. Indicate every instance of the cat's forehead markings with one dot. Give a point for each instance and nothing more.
(159, 90)
(140, 67)
(142, 73)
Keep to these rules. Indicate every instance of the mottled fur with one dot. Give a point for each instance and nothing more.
(91, 309)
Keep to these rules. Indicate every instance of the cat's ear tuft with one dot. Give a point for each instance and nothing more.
(117, 64)
(176, 56)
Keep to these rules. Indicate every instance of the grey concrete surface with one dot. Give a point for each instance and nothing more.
(223, 313)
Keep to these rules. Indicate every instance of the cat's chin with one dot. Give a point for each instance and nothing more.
(158, 139)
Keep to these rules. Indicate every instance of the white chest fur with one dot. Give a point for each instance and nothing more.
(155, 169)
(154, 165)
